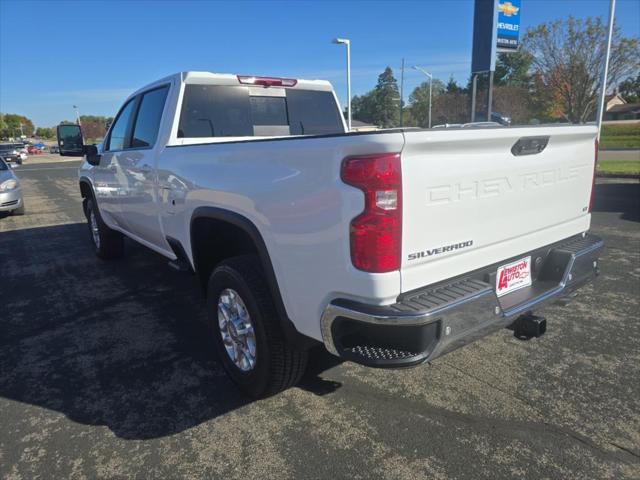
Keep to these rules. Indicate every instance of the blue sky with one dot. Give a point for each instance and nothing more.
(54, 54)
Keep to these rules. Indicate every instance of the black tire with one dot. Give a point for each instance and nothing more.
(278, 364)
(107, 243)
(19, 210)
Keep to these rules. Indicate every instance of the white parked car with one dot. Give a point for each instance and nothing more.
(11, 199)
(391, 247)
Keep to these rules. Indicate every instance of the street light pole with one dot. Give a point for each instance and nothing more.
(430, 87)
(77, 115)
(603, 92)
(401, 90)
(347, 42)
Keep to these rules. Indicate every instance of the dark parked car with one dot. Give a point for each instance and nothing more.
(11, 152)
(495, 117)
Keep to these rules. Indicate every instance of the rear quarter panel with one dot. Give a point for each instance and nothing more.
(291, 191)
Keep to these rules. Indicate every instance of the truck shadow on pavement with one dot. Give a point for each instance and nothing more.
(618, 197)
(111, 343)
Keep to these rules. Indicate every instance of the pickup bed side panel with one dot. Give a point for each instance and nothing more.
(470, 202)
(290, 189)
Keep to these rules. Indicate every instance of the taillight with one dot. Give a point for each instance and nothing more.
(267, 81)
(376, 234)
(593, 182)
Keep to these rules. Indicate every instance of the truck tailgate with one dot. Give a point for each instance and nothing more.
(468, 201)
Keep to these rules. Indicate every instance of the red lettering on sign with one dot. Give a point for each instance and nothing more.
(503, 282)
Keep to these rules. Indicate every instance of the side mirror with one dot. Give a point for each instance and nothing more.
(70, 140)
(93, 157)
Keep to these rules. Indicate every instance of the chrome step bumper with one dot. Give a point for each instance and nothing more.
(434, 320)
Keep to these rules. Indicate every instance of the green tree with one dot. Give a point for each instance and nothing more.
(419, 100)
(514, 69)
(630, 89)
(16, 125)
(408, 117)
(363, 107)
(452, 86)
(568, 59)
(380, 106)
(45, 132)
(386, 112)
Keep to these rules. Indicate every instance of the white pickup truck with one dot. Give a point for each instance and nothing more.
(391, 247)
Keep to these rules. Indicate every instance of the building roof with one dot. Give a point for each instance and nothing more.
(611, 96)
(624, 108)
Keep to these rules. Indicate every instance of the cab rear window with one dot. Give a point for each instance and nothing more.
(230, 111)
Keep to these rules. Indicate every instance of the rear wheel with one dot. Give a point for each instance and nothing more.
(246, 330)
(107, 243)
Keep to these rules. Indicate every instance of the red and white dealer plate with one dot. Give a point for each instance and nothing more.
(513, 276)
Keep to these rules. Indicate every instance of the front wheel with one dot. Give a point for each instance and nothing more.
(107, 243)
(246, 330)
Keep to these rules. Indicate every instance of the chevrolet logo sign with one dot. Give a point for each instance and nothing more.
(508, 9)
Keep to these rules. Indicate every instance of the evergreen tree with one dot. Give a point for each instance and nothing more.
(386, 113)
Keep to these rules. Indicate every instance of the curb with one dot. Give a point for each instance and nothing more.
(621, 149)
(618, 175)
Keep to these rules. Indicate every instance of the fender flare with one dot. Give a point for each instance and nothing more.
(86, 181)
(288, 327)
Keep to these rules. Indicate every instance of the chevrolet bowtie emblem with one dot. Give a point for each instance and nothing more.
(508, 9)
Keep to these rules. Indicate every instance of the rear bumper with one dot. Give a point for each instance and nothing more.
(437, 319)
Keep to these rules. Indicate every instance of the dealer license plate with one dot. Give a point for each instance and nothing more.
(513, 276)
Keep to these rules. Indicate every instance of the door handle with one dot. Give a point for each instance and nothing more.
(529, 145)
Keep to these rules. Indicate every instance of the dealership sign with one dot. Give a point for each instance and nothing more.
(508, 25)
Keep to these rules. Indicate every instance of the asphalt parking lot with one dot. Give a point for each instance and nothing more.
(105, 374)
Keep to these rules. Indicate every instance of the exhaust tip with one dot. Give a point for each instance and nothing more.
(529, 326)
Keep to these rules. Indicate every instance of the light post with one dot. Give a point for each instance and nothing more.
(603, 91)
(430, 87)
(347, 42)
(77, 114)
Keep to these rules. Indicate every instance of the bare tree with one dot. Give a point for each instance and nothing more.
(514, 102)
(568, 57)
(451, 108)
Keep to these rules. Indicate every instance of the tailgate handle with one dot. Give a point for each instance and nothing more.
(529, 145)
